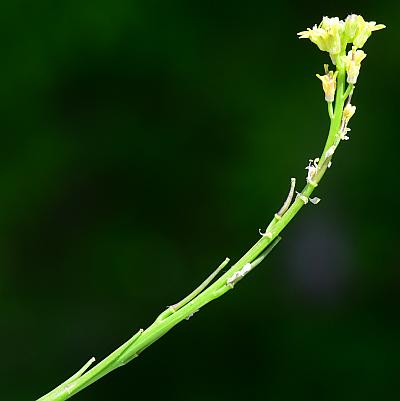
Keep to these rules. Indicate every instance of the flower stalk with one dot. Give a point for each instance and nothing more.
(333, 36)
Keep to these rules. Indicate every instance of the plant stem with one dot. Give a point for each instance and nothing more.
(330, 110)
(339, 103)
(201, 296)
(200, 288)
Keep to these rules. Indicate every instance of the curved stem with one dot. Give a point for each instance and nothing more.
(203, 295)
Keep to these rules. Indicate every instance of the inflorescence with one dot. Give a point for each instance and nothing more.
(333, 36)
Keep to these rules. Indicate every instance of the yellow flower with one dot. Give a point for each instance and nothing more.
(364, 30)
(316, 35)
(332, 34)
(327, 36)
(353, 63)
(328, 83)
(333, 28)
(350, 27)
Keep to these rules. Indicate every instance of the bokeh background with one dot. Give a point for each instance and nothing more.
(142, 143)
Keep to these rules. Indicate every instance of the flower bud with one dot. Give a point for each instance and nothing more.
(328, 83)
(352, 63)
(348, 112)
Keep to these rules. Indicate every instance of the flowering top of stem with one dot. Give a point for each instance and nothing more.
(332, 34)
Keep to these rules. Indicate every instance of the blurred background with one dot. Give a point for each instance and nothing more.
(143, 142)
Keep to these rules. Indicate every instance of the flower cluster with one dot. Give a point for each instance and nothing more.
(333, 34)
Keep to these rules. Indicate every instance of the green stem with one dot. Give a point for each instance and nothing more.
(330, 110)
(201, 296)
(339, 104)
(200, 288)
(348, 91)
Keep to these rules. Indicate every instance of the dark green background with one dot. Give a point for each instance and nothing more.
(142, 142)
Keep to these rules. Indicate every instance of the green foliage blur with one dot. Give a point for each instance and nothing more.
(142, 143)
